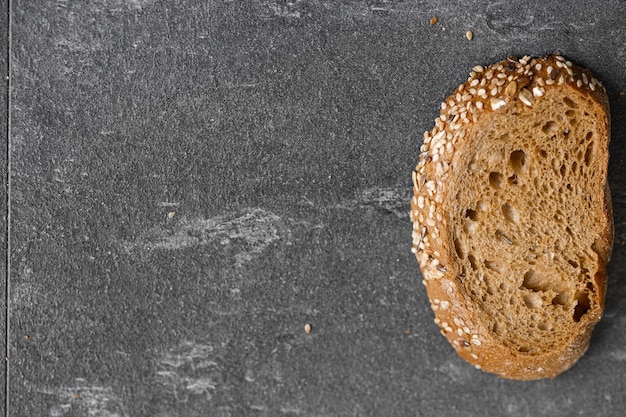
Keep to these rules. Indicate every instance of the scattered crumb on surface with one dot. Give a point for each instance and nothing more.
(407, 332)
(469, 35)
(433, 20)
(307, 328)
(171, 214)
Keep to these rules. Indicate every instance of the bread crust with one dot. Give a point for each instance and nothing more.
(525, 81)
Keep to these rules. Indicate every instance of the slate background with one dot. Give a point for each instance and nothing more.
(192, 182)
(4, 95)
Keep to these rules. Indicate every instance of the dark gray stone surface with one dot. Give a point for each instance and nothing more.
(192, 182)
(4, 44)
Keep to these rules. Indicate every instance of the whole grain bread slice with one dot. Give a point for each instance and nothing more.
(512, 222)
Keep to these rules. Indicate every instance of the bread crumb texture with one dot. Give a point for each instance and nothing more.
(512, 223)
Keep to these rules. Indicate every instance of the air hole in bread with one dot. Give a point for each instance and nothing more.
(519, 161)
(570, 113)
(513, 179)
(494, 266)
(550, 128)
(563, 170)
(472, 260)
(583, 305)
(543, 153)
(533, 300)
(561, 299)
(510, 213)
(458, 247)
(569, 102)
(471, 214)
(534, 281)
(544, 326)
(524, 349)
(589, 154)
(496, 179)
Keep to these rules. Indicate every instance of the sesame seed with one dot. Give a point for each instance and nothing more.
(585, 79)
(478, 68)
(474, 356)
(479, 105)
(593, 87)
(494, 91)
(549, 69)
(511, 89)
(474, 83)
(538, 67)
(477, 366)
(579, 83)
(307, 328)
(476, 341)
(560, 58)
(469, 35)
(549, 82)
(445, 304)
(496, 103)
(459, 332)
(569, 64)
(482, 92)
(526, 97)
(537, 92)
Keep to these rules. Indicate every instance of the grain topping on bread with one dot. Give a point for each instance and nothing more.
(512, 223)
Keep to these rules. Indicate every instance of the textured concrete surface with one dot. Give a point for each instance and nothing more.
(4, 117)
(193, 182)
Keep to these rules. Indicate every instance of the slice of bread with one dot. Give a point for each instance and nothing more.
(512, 222)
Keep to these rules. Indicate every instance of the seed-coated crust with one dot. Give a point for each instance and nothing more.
(510, 82)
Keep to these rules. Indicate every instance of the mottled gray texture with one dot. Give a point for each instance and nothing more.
(4, 44)
(192, 182)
